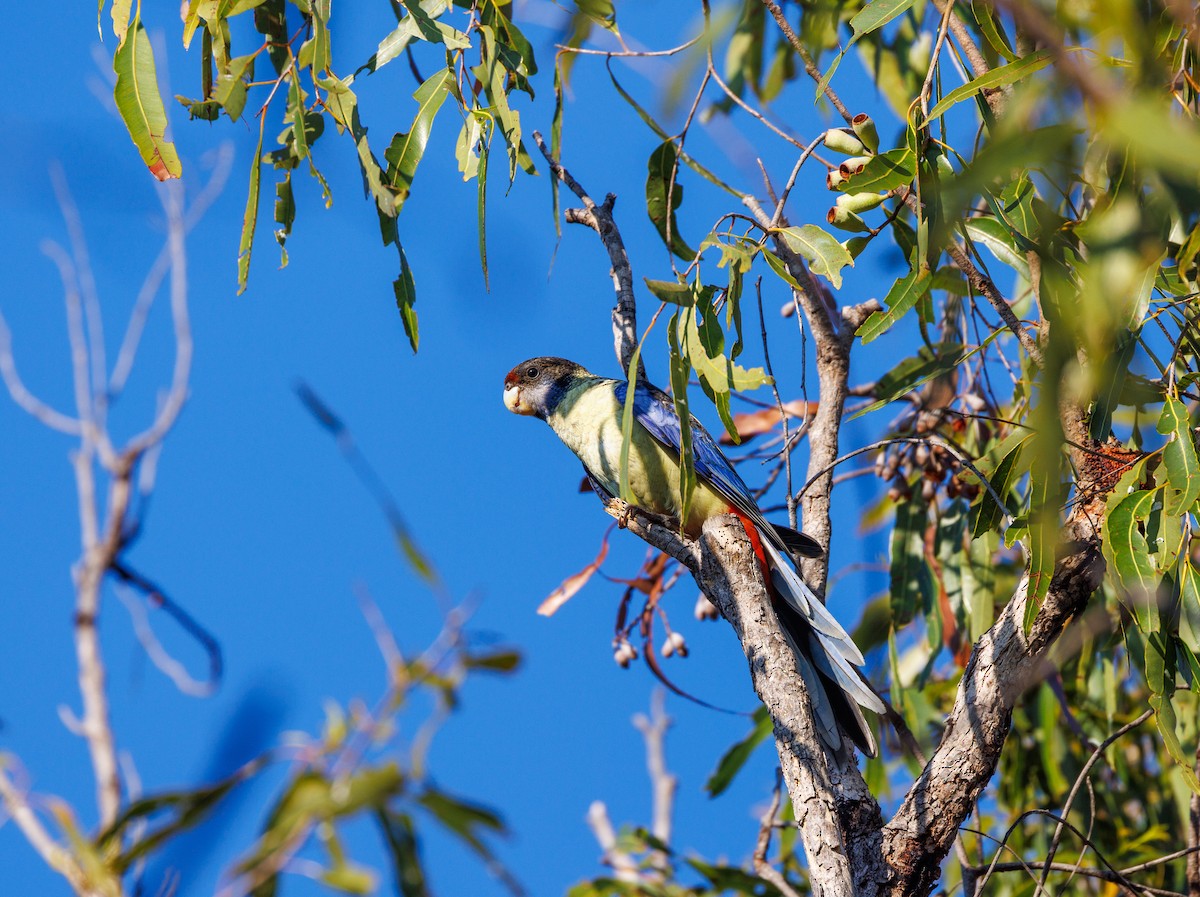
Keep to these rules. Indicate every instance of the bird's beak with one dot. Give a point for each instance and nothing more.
(512, 400)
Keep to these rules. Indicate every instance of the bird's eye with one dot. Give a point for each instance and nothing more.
(531, 373)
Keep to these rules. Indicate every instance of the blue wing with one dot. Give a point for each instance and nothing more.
(654, 410)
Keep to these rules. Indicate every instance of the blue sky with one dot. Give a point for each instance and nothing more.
(258, 527)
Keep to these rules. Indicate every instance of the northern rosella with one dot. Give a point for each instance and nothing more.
(585, 411)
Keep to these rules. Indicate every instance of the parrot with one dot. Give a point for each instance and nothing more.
(585, 412)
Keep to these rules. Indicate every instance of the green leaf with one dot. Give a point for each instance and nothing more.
(485, 146)
(1113, 380)
(910, 577)
(501, 661)
(342, 104)
(870, 18)
(466, 819)
(406, 150)
(1179, 457)
(720, 373)
(1044, 531)
(661, 185)
(913, 372)
(405, 852)
(680, 369)
(1126, 550)
(991, 80)
(821, 250)
(296, 115)
(322, 53)
(988, 514)
(735, 758)
(120, 13)
(903, 295)
(230, 89)
(999, 239)
(671, 291)
(627, 424)
(599, 11)
(494, 78)
(421, 23)
(250, 217)
(186, 808)
(1189, 606)
(885, 171)
(285, 215)
(406, 297)
(141, 106)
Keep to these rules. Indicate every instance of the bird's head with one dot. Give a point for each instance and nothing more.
(536, 386)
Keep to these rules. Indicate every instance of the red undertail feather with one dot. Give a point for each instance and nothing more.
(756, 544)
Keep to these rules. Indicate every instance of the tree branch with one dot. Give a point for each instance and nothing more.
(599, 218)
(1005, 663)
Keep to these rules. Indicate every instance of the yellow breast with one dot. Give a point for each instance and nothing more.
(588, 420)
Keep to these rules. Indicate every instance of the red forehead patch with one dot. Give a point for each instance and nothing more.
(510, 379)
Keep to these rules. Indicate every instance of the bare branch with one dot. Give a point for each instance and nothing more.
(27, 401)
(809, 65)
(599, 218)
(52, 853)
(762, 866)
(662, 782)
(1079, 780)
(171, 197)
(162, 264)
(623, 866)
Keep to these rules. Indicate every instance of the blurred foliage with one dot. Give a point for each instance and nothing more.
(1055, 147)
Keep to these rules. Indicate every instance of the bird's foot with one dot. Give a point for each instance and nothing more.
(623, 517)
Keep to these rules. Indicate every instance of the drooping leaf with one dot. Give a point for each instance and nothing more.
(873, 16)
(572, 584)
(469, 821)
(1179, 457)
(903, 296)
(994, 79)
(825, 255)
(406, 150)
(663, 196)
(140, 104)
(184, 810)
(1126, 549)
(680, 369)
(911, 579)
(250, 217)
(405, 853)
(671, 291)
(405, 289)
(735, 758)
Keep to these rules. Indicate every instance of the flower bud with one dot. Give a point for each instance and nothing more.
(864, 129)
(853, 166)
(844, 141)
(674, 644)
(855, 245)
(860, 202)
(846, 220)
(705, 609)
